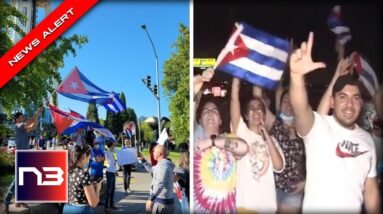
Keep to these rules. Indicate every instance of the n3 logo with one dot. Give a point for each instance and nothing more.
(58, 175)
(41, 176)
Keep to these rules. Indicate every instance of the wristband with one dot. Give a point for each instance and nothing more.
(213, 137)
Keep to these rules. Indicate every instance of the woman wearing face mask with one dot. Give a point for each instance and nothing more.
(96, 163)
(83, 196)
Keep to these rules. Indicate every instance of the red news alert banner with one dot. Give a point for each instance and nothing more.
(55, 24)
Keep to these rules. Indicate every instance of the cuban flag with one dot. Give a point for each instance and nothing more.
(335, 23)
(254, 56)
(66, 123)
(76, 86)
(75, 114)
(129, 129)
(366, 74)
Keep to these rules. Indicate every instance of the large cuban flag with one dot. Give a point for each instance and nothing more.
(77, 86)
(255, 56)
(67, 123)
(366, 74)
(336, 25)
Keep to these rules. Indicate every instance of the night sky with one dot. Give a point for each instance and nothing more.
(214, 21)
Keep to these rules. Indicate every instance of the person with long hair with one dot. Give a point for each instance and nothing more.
(182, 173)
(83, 195)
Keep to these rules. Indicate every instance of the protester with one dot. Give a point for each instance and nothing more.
(77, 137)
(151, 151)
(255, 169)
(339, 153)
(83, 195)
(182, 173)
(96, 163)
(127, 169)
(89, 137)
(42, 143)
(161, 190)
(111, 171)
(21, 140)
(214, 188)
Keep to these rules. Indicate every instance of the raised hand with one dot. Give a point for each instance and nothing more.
(301, 61)
(344, 66)
(200, 79)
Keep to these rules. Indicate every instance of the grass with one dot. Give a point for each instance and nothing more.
(6, 179)
(174, 156)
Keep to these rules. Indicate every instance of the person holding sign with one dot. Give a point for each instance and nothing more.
(126, 156)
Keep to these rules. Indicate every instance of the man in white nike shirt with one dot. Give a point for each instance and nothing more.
(340, 156)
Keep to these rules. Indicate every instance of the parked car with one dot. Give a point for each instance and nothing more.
(11, 143)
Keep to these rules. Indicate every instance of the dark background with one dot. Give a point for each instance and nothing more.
(214, 21)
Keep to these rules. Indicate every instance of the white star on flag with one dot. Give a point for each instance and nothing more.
(74, 85)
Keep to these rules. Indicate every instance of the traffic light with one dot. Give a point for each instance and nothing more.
(155, 90)
(148, 81)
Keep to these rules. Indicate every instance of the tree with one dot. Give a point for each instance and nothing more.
(176, 86)
(37, 79)
(147, 133)
(92, 113)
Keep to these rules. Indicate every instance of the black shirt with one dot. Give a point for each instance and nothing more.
(77, 180)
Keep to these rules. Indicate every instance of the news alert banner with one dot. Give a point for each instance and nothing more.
(41, 176)
(55, 24)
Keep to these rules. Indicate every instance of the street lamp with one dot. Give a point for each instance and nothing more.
(158, 80)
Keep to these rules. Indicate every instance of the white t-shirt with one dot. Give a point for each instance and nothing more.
(255, 178)
(110, 162)
(338, 162)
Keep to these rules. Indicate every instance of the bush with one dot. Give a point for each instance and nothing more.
(7, 161)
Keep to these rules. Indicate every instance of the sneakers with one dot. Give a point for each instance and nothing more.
(129, 191)
(114, 208)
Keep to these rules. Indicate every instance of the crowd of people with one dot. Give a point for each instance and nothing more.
(292, 159)
(89, 161)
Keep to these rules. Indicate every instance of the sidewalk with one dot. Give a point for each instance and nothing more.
(133, 202)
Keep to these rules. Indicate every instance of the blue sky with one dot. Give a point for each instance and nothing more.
(119, 54)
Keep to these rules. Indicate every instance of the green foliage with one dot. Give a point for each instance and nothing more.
(92, 113)
(6, 180)
(174, 156)
(7, 161)
(38, 78)
(176, 86)
(102, 122)
(5, 130)
(147, 133)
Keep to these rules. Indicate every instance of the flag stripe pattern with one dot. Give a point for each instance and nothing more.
(366, 74)
(254, 56)
(335, 23)
(116, 105)
(67, 123)
(76, 86)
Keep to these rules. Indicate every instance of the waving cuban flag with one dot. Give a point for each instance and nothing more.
(76, 86)
(255, 56)
(335, 23)
(67, 123)
(366, 74)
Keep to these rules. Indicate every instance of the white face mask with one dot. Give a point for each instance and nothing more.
(97, 146)
(285, 117)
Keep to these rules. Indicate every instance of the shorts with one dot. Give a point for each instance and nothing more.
(292, 200)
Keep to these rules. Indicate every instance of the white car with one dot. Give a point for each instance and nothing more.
(11, 143)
